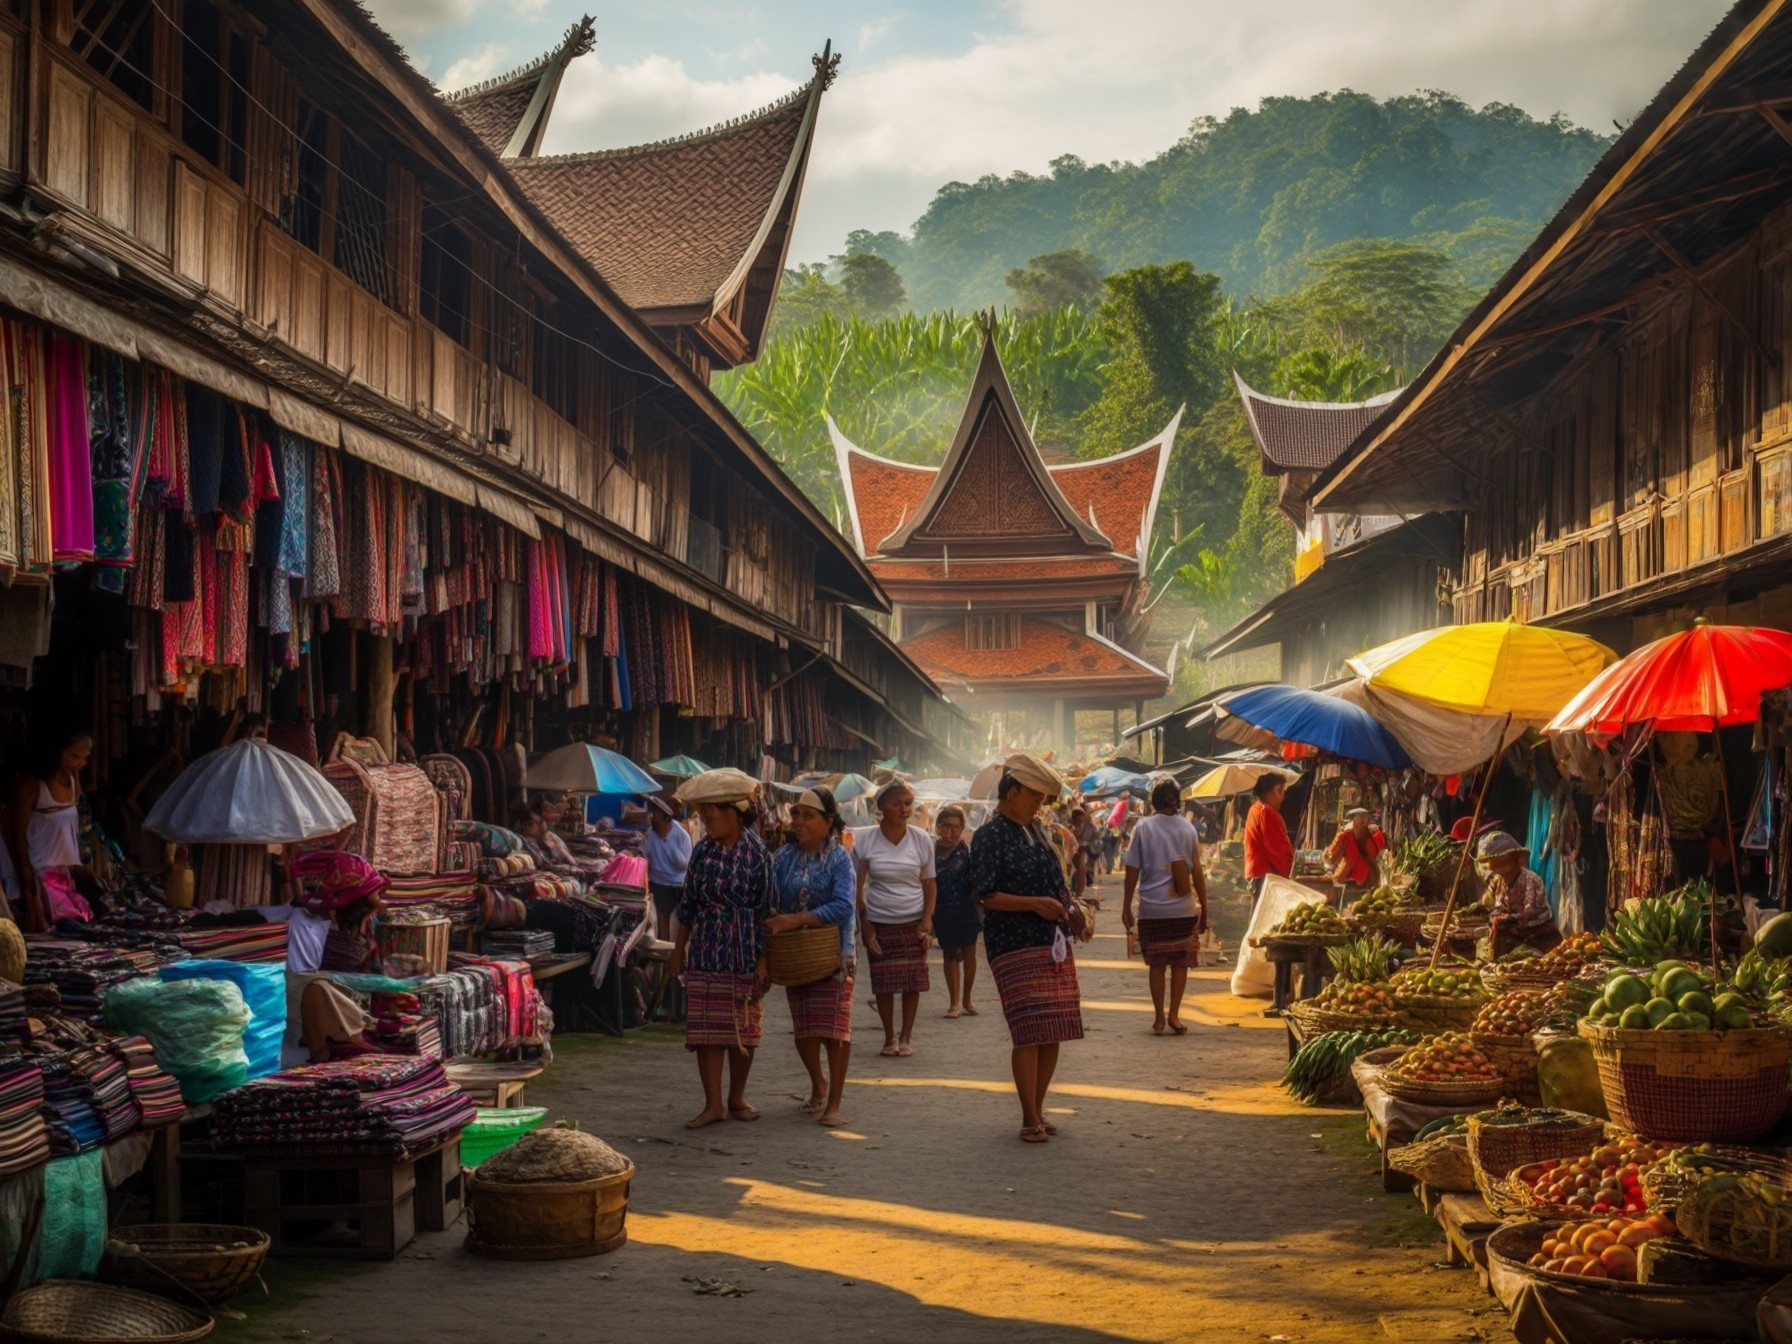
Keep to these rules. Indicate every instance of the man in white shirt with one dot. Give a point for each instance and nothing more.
(668, 851)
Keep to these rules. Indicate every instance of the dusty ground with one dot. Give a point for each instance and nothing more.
(1185, 1199)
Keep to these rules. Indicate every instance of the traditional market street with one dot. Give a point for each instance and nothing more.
(1186, 1198)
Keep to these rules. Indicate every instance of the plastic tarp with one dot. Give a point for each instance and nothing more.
(249, 793)
(196, 1027)
(1253, 977)
(263, 988)
(1440, 741)
(73, 1235)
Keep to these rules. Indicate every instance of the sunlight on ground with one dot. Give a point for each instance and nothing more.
(1262, 1098)
(992, 1266)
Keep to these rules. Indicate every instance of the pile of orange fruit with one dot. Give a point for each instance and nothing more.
(1600, 1248)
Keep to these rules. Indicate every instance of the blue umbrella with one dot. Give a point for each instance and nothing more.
(1323, 722)
(679, 767)
(1111, 779)
(585, 767)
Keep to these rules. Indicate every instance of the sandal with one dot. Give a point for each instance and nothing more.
(889, 1051)
(1033, 1134)
(1178, 1028)
(904, 1051)
(953, 1013)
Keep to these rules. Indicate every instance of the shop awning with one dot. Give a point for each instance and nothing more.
(1339, 580)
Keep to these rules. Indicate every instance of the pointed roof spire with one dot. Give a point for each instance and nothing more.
(510, 113)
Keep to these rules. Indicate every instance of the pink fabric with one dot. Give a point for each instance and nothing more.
(65, 902)
(71, 455)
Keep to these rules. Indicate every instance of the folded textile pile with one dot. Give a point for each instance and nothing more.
(24, 1138)
(628, 870)
(400, 1027)
(517, 944)
(99, 1072)
(68, 1111)
(154, 1089)
(503, 866)
(15, 1021)
(385, 1102)
(454, 895)
(252, 943)
(494, 841)
(82, 975)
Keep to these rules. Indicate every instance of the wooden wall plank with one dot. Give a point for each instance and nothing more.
(69, 114)
(154, 166)
(12, 99)
(190, 233)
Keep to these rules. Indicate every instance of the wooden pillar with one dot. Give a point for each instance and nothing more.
(380, 689)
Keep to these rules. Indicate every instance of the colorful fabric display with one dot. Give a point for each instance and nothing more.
(384, 1102)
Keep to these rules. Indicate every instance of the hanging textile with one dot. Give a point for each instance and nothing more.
(323, 572)
(29, 454)
(70, 448)
(119, 433)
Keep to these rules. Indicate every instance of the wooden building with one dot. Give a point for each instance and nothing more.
(1610, 430)
(266, 199)
(1016, 585)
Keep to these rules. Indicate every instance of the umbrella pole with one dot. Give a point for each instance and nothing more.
(1723, 783)
(1474, 826)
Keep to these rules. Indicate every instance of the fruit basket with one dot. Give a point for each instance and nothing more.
(1502, 1141)
(1445, 999)
(1447, 1070)
(1678, 1174)
(1607, 1181)
(1692, 1085)
(1536, 1250)
(1577, 957)
(1314, 1017)
(1742, 1218)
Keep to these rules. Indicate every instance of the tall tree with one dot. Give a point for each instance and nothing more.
(1058, 279)
(873, 286)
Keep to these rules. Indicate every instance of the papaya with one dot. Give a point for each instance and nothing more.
(1773, 939)
(1658, 1009)
(1624, 990)
(1635, 1018)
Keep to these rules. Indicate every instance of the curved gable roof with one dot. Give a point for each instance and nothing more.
(510, 113)
(1305, 435)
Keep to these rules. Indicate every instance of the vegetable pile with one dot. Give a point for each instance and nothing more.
(1423, 852)
(1325, 1061)
(1660, 928)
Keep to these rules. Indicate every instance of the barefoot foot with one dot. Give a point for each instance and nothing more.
(833, 1120)
(709, 1117)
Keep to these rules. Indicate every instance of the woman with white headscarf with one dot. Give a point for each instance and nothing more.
(897, 891)
(720, 950)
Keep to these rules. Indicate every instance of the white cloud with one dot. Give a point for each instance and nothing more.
(603, 106)
(872, 34)
(477, 65)
(408, 19)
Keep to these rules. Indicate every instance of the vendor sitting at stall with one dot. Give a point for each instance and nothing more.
(550, 852)
(330, 930)
(1355, 855)
(1515, 897)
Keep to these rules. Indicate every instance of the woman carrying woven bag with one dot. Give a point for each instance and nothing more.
(816, 889)
(897, 893)
(720, 950)
(1163, 869)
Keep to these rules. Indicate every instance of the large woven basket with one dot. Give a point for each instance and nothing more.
(1499, 1150)
(1402, 927)
(550, 1220)
(1462, 1092)
(803, 956)
(1443, 1164)
(1516, 1059)
(70, 1311)
(1499, 979)
(1694, 1086)
(1433, 1014)
(185, 1260)
(1314, 1019)
(1717, 1219)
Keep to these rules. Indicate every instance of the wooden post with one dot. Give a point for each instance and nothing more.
(1723, 781)
(1474, 826)
(380, 689)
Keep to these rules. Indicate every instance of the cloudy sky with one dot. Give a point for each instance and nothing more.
(936, 90)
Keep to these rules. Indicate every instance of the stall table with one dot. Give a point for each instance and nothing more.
(388, 1199)
(497, 1085)
(164, 1164)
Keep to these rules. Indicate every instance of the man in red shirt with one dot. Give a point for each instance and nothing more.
(1355, 855)
(1267, 848)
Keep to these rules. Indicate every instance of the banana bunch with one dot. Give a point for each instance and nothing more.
(1325, 1060)
(1660, 928)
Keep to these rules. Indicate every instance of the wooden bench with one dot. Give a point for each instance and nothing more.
(296, 1197)
(499, 1085)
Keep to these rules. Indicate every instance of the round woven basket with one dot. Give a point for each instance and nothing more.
(1462, 1092)
(71, 1311)
(1303, 940)
(1717, 1217)
(1434, 1014)
(1513, 1245)
(1443, 1164)
(1312, 1019)
(801, 957)
(548, 1220)
(1694, 1086)
(1499, 1150)
(185, 1260)
(1401, 927)
(1499, 979)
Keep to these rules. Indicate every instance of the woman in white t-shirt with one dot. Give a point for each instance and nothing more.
(1163, 869)
(896, 898)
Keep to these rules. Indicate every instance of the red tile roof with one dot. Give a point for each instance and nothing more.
(885, 494)
(1042, 567)
(1047, 652)
(669, 224)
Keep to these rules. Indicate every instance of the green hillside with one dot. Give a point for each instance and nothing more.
(1251, 195)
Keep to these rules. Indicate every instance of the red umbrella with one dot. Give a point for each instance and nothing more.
(1702, 679)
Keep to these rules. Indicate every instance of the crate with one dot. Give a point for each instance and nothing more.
(295, 1198)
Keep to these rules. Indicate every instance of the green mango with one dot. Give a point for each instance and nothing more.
(1658, 1009)
(1673, 1022)
(1695, 1002)
(1734, 1018)
(1625, 990)
(1680, 982)
(1729, 999)
(1635, 1018)
(1598, 1009)
(1697, 1021)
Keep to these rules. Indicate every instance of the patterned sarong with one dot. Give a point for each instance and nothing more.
(720, 1010)
(1040, 997)
(1167, 942)
(900, 964)
(822, 1011)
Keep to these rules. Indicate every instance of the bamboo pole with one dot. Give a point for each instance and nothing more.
(1723, 781)
(1474, 826)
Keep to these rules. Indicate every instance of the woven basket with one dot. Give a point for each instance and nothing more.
(1401, 927)
(1434, 1014)
(1716, 1219)
(1443, 1164)
(1302, 940)
(1463, 1092)
(70, 1311)
(1516, 1059)
(1499, 1150)
(1694, 1086)
(175, 1259)
(1499, 979)
(1665, 1185)
(1312, 1019)
(803, 956)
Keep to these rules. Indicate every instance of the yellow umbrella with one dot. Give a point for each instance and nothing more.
(1225, 781)
(1491, 668)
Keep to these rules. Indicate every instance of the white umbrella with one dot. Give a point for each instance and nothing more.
(249, 793)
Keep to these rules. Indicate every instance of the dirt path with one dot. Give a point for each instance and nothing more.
(1185, 1199)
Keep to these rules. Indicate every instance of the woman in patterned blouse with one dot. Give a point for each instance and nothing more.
(1028, 921)
(728, 896)
(816, 887)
